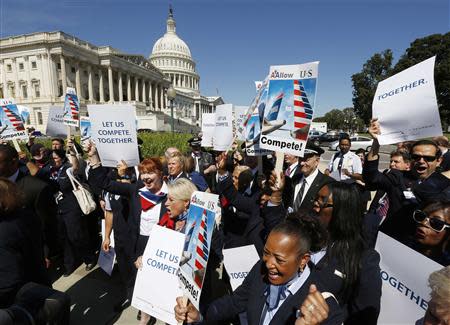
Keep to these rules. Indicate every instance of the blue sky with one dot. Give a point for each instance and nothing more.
(235, 41)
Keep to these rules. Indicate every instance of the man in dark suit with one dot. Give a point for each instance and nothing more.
(443, 144)
(202, 159)
(38, 196)
(300, 190)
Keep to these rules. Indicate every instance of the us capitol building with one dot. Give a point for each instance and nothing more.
(36, 68)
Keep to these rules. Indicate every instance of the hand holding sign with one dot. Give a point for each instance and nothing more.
(374, 128)
(314, 308)
(186, 313)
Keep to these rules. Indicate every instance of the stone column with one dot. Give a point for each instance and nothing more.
(120, 86)
(78, 80)
(28, 73)
(150, 95)
(144, 92)
(51, 74)
(128, 88)
(161, 97)
(16, 77)
(3, 74)
(63, 75)
(136, 89)
(110, 84)
(100, 86)
(90, 84)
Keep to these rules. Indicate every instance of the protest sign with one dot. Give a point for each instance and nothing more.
(238, 263)
(24, 113)
(157, 287)
(208, 125)
(114, 133)
(85, 128)
(258, 85)
(405, 293)
(71, 115)
(55, 124)
(412, 92)
(255, 103)
(11, 124)
(223, 131)
(253, 125)
(203, 211)
(289, 108)
(106, 260)
(252, 134)
(239, 117)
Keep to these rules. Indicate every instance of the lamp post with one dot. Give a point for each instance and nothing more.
(171, 94)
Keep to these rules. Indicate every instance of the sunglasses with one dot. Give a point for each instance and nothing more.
(435, 223)
(426, 158)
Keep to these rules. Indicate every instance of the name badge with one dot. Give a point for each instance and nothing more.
(409, 195)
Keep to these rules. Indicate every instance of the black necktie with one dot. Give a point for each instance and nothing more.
(341, 160)
(298, 199)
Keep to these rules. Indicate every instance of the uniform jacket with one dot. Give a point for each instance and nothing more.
(250, 298)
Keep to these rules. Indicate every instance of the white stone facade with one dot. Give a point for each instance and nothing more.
(35, 70)
(173, 57)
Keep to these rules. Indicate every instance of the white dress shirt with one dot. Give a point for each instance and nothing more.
(309, 180)
(351, 162)
(292, 168)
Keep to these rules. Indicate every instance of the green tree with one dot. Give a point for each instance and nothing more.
(334, 119)
(422, 49)
(319, 119)
(376, 69)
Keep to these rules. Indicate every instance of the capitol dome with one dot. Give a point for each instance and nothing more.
(173, 57)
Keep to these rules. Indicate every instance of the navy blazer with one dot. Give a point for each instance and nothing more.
(363, 306)
(310, 196)
(243, 226)
(249, 297)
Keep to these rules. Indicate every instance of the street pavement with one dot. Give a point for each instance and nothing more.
(94, 293)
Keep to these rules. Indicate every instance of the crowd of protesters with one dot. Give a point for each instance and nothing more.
(314, 232)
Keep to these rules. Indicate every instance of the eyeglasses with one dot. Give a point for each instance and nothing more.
(426, 158)
(435, 223)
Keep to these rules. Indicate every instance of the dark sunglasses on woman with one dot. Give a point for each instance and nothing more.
(435, 223)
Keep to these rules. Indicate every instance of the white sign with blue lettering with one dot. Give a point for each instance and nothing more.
(238, 263)
(223, 131)
(156, 286)
(208, 126)
(404, 273)
(405, 105)
(113, 129)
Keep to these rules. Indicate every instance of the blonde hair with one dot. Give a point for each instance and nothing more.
(180, 157)
(439, 282)
(181, 189)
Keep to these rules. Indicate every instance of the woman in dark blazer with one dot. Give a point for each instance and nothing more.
(277, 285)
(72, 224)
(346, 267)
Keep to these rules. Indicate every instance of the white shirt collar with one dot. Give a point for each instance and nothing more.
(311, 177)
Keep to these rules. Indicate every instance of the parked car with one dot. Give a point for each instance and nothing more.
(358, 142)
(327, 138)
(314, 135)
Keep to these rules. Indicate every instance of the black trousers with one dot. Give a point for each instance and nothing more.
(74, 234)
